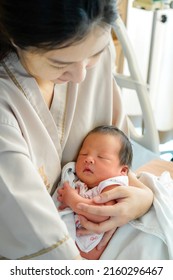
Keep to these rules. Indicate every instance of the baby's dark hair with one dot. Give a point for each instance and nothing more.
(126, 151)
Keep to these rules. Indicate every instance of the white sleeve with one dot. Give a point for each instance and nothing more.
(30, 226)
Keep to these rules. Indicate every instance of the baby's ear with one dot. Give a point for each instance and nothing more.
(124, 170)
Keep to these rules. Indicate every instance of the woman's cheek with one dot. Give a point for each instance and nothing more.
(93, 62)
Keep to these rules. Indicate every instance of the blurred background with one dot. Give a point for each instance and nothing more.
(150, 28)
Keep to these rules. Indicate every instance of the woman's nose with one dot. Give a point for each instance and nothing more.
(78, 71)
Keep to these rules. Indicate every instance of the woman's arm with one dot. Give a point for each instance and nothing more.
(156, 167)
(27, 212)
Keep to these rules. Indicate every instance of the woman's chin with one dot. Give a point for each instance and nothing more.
(59, 81)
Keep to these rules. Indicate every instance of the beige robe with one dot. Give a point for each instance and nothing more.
(34, 144)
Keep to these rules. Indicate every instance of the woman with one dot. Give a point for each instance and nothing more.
(56, 84)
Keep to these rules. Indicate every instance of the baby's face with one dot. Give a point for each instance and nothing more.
(98, 159)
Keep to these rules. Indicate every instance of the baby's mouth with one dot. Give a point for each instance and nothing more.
(87, 170)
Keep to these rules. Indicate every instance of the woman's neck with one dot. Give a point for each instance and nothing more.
(47, 90)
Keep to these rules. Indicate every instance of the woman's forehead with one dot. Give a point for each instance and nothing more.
(97, 39)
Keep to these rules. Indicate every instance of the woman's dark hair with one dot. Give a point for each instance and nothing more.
(126, 151)
(48, 24)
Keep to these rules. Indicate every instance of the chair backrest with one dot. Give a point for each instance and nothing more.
(150, 137)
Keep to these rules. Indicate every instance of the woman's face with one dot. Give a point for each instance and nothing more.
(69, 63)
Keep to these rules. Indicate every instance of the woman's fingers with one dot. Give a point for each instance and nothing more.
(114, 194)
(128, 200)
(97, 210)
(127, 208)
(105, 226)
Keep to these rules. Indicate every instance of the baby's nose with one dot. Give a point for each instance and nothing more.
(89, 159)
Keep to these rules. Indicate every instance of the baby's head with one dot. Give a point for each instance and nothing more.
(105, 152)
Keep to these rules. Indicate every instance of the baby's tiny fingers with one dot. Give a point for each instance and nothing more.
(62, 207)
(59, 198)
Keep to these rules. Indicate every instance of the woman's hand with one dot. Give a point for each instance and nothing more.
(132, 202)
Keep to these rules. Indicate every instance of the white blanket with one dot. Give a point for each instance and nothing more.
(151, 236)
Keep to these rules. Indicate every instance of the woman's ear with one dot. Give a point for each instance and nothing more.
(124, 170)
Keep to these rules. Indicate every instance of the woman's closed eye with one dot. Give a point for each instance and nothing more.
(58, 67)
(65, 65)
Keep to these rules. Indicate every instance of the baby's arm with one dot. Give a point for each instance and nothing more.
(108, 188)
(70, 197)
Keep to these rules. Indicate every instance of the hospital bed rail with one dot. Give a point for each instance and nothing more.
(149, 137)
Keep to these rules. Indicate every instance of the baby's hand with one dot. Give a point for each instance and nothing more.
(60, 199)
(65, 195)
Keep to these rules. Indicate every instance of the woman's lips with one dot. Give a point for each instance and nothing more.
(60, 81)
